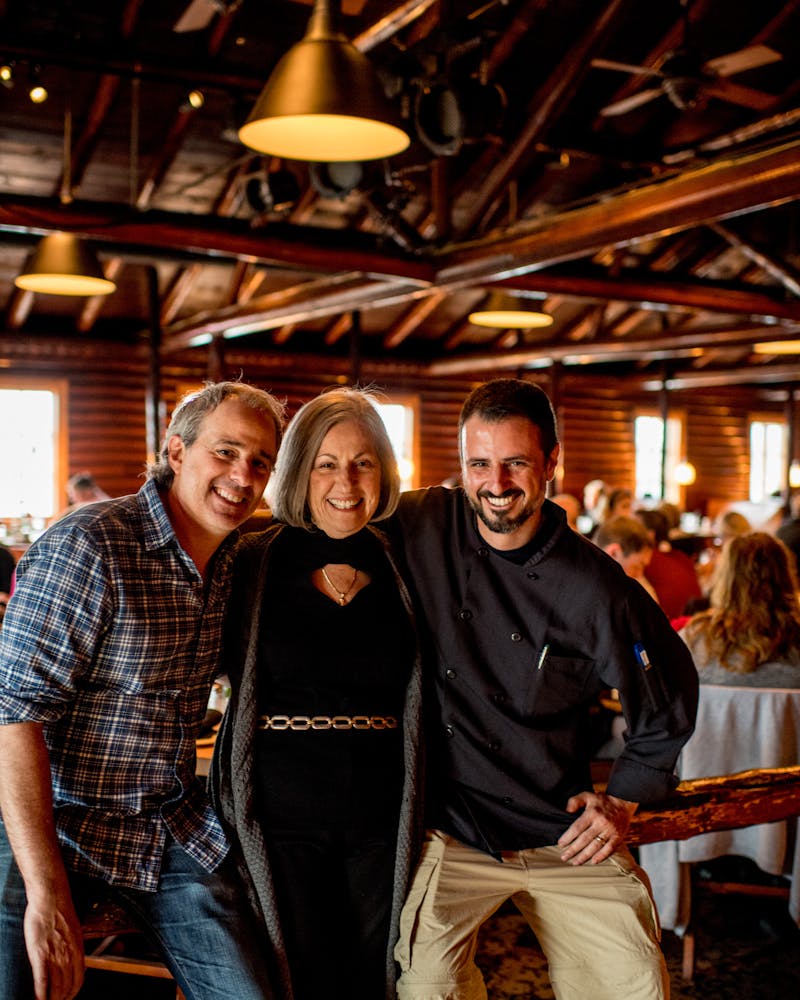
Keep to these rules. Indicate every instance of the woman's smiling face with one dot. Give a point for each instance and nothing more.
(345, 484)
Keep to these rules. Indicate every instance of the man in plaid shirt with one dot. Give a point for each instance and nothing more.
(107, 654)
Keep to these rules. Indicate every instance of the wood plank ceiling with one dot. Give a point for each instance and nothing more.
(560, 150)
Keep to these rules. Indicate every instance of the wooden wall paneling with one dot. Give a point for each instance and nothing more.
(107, 413)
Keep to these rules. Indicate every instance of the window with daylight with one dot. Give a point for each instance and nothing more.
(768, 444)
(400, 419)
(34, 451)
(649, 443)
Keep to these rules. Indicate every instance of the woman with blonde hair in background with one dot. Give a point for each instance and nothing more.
(751, 633)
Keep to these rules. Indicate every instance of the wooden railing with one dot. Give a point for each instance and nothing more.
(726, 803)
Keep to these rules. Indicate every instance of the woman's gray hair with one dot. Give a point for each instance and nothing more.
(288, 491)
(190, 412)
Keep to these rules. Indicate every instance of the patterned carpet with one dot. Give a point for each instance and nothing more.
(746, 949)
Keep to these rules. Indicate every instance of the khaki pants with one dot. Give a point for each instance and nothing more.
(596, 924)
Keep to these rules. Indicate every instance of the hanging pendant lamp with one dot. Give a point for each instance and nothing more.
(507, 312)
(324, 102)
(63, 264)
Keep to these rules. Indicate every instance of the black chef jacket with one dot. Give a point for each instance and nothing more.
(517, 655)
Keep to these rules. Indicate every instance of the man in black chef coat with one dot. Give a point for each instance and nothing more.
(527, 622)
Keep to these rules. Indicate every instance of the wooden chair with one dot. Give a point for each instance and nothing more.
(737, 728)
(105, 927)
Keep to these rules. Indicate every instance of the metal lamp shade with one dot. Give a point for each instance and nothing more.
(324, 103)
(62, 264)
(506, 312)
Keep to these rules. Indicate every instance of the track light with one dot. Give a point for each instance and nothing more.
(37, 91)
(324, 102)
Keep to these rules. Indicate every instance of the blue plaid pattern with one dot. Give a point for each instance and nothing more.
(112, 642)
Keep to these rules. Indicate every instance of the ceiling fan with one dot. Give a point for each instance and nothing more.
(686, 76)
(199, 13)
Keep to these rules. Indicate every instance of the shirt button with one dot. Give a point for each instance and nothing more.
(450, 674)
(483, 553)
(498, 698)
(450, 730)
(533, 576)
(495, 745)
(465, 614)
(516, 637)
(507, 800)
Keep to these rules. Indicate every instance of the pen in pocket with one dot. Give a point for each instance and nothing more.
(543, 655)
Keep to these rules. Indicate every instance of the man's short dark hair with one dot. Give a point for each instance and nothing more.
(503, 398)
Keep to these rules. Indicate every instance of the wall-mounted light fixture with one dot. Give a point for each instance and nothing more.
(508, 312)
(685, 473)
(324, 102)
(64, 264)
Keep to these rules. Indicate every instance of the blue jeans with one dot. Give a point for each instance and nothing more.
(199, 921)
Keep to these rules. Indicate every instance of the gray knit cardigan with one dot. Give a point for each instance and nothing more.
(231, 777)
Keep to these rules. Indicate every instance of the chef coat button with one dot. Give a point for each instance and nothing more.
(465, 614)
(450, 730)
(450, 673)
(533, 576)
(495, 745)
(516, 637)
(483, 552)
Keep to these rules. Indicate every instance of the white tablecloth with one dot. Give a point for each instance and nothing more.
(738, 728)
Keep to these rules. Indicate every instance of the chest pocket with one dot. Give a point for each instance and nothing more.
(559, 686)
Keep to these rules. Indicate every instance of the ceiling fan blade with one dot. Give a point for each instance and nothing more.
(736, 93)
(197, 16)
(743, 59)
(625, 67)
(629, 103)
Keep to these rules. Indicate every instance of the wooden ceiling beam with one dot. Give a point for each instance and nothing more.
(649, 291)
(611, 350)
(309, 300)
(692, 198)
(543, 109)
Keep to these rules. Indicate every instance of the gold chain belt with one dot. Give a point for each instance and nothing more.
(303, 722)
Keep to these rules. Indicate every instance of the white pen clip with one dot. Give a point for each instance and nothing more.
(543, 655)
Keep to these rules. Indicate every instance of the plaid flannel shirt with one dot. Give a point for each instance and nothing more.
(111, 641)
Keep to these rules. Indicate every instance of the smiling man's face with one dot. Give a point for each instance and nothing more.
(220, 478)
(505, 474)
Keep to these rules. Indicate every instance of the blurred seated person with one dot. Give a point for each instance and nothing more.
(571, 506)
(789, 530)
(595, 495)
(672, 513)
(750, 635)
(627, 541)
(82, 488)
(7, 568)
(671, 572)
(620, 503)
(730, 524)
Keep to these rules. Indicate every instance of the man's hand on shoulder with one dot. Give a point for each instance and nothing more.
(598, 831)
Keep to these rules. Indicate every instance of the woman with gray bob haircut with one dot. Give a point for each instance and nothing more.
(289, 488)
(317, 764)
(194, 406)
